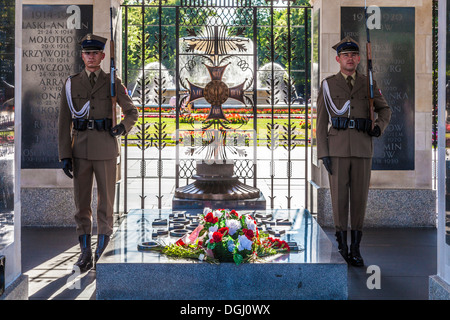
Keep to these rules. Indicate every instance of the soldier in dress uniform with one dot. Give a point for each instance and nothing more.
(344, 143)
(89, 145)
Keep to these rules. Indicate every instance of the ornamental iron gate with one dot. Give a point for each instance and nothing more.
(222, 80)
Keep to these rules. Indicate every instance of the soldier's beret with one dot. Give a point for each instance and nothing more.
(346, 45)
(91, 42)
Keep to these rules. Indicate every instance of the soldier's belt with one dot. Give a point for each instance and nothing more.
(343, 123)
(91, 124)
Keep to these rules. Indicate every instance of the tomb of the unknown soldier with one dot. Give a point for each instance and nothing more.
(129, 269)
(228, 150)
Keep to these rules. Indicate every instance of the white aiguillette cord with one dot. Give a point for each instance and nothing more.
(330, 104)
(75, 114)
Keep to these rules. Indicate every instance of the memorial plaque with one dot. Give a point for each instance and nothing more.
(51, 52)
(393, 43)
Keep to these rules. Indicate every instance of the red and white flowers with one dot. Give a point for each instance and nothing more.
(226, 236)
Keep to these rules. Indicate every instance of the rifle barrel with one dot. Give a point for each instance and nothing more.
(113, 72)
(369, 72)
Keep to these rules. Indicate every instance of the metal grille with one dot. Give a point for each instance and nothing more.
(265, 47)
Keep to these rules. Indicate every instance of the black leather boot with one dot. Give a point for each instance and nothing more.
(341, 238)
(102, 242)
(85, 261)
(355, 256)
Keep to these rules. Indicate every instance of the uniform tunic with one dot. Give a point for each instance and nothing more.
(350, 150)
(93, 152)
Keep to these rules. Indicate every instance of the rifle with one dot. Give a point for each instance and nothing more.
(113, 73)
(369, 70)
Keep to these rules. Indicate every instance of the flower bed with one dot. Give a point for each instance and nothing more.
(231, 118)
(228, 110)
(225, 236)
(250, 110)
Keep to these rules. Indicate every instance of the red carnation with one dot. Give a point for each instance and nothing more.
(216, 237)
(210, 218)
(224, 231)
(234, 213)
(248, 233)
(284, 245)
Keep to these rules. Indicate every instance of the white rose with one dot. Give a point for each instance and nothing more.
(206, 210)
(211, 230)
(244, 243)
(251, 224)
(233, 226)
(217, 213)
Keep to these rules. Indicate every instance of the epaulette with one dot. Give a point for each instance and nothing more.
(327, 78)
(73, 75)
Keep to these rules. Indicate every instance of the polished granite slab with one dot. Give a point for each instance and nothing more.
(315, 271)
(237, 204)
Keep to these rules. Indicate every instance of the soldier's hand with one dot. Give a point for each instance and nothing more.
(117, 130)
(327, 163)
(67, 167)
(375, 132)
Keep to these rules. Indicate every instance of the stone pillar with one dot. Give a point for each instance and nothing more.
(439, 284)
(13, 284)
(47, 194)
(401, 191)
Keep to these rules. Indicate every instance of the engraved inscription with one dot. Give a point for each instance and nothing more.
(50, 41)
(393, 66)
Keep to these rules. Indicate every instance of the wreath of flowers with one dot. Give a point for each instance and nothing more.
(224, 235)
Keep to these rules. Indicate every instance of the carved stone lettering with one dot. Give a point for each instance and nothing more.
(51, 52)
(393, 68)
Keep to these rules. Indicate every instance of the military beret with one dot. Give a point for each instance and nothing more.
(91, 42)
(346, 45)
